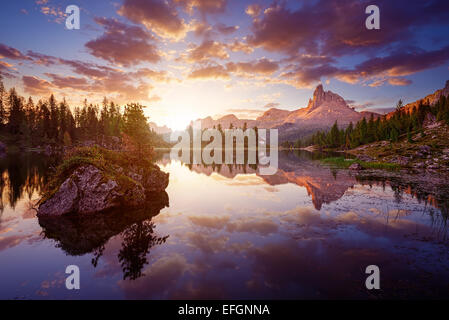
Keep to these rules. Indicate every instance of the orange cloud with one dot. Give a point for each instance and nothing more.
(35, 85)
(262, 66)
(11, 53)
(158, 16)
(253, 10)
(213, 71)
(204, 6)
(206, 50)
(237, 46)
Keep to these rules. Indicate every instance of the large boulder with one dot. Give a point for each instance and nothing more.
(88, 190)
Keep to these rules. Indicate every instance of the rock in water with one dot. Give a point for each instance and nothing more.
(87, 190)
(355, 166)
(93, 180)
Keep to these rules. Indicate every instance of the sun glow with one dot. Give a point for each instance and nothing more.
(179, 121)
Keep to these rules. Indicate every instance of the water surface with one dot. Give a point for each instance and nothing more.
(307, 232)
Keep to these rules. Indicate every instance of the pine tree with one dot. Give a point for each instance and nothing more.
(136, 127)
(334, 136)
(16, 112)
(54, 118)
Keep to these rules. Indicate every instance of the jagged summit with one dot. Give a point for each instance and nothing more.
(321, 97)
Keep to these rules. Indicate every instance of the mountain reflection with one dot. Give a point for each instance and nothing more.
(324, 184)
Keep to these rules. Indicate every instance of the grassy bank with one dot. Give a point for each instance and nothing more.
(345, 163)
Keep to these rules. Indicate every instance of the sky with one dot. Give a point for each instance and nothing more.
(189, 59)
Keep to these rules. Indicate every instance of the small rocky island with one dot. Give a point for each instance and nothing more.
(94, 180)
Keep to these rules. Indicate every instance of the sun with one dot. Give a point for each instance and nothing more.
(179, 121)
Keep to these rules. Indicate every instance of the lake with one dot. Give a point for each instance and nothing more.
(307, 232)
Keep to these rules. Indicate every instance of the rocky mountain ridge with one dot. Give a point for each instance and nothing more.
(323, 109)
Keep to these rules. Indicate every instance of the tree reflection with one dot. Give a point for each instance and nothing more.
(137, 241)
(79, 235)
(21, 175)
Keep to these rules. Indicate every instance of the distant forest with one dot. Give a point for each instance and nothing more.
(30, 124)
(401, 123)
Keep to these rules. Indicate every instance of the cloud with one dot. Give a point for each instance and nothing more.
(243, 69)
(378, 71)
(253, 10)
(35, 85)
(211, 71)
(303, 77)
(6, 69)
(226, 30)
(201, 28)
(403, 63)
(262, 66)
(329, 26)
(203, 6)
(63, 82)
(206, 50)
(11, 53)
(399, 82)
(56, 13)
(123, 44)
(237, 46)
(159, 16)
(103, 80)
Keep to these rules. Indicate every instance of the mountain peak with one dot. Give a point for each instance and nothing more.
(320, 97)
(319, 91)
(229, 117)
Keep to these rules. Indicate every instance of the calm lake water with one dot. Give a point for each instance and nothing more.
(307, 232)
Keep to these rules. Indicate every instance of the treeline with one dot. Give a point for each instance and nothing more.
(402, 122)
(53, 122)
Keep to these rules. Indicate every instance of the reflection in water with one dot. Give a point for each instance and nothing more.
(306, 232)
(324, 184)
(137, 241)
(80, 235)
(21, 175)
